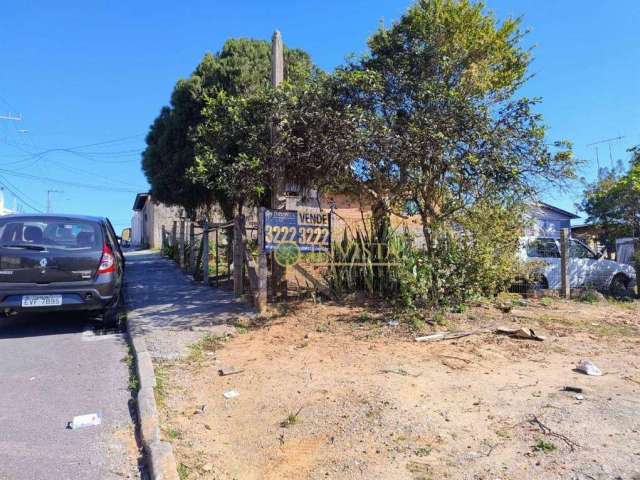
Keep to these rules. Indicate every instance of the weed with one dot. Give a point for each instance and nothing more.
(416, 321)
(243, 323)
(366, 317)
(503, 434)
(544, 447)
(208, 343)
(459, 308)
(160, 390)
(623, 303)
(546, 301)
(440, 318)
(292, 419)
(423, 451)
(133, 383)
(323, 327)
(173, 433)
(183, 471)
(590, 296)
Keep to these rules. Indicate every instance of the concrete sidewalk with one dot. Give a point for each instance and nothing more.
(171, 309)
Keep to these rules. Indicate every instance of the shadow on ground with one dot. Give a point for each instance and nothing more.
(160, 296)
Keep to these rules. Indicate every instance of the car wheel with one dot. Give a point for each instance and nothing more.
(110, 317)
(619, 286)
(539, 282)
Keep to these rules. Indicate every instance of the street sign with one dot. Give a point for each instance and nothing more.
(309, 230)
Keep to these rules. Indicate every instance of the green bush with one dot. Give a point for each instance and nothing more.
(474, 256)
(170, 251)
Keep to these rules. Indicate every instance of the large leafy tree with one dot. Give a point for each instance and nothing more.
(211, 145)
(439, 121)
(613, 202)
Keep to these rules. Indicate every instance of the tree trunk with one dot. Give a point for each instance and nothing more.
(381, 220)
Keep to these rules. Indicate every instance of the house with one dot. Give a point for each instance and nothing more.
(148, 219)
(546, 220)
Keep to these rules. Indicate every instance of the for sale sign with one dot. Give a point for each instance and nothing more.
(308, 229)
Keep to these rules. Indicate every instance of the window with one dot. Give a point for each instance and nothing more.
(578, 250)
(543, 248)
(49, 233)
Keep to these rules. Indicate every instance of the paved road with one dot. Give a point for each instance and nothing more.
(52, 368)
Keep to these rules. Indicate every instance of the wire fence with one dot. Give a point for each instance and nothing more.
(549, 266)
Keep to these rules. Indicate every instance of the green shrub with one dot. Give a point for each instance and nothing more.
(474, 256)
(170, 251)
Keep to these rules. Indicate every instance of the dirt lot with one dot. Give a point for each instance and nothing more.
(336, 392)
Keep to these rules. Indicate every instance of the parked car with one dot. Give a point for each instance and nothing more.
(60, 263)
(586, 268)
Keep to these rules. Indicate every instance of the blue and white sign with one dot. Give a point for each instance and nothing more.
(309, 230)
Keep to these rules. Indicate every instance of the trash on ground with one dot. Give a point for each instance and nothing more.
(448, 335)
(229, 394)
(401, 371)
(224, 371)
(579, 396)
(569, 388)
(200, 409)
(589, 368)
(527, 334)
(82, 421)
(393, 323)
(504, 307)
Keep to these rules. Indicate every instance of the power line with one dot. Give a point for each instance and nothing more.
(22, 200)
(69, 183)
(22, 194)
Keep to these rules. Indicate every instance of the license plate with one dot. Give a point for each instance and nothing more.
(41, 300)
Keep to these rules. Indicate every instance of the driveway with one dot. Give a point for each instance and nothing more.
(52, 368)
(170, 308)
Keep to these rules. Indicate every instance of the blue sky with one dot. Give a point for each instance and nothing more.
(88, 79)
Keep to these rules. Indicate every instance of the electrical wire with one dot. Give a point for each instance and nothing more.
(69, 183)
(22, 200)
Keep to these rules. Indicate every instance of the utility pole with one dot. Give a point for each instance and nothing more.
(277, 77)
(278, 202)
(49, 192)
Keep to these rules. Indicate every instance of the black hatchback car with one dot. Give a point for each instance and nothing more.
(60, 263)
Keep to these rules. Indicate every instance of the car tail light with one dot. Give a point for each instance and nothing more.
(107, 261)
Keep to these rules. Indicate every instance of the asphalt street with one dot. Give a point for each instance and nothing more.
(52, 368)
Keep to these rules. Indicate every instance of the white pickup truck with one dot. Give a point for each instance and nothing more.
(586, 268)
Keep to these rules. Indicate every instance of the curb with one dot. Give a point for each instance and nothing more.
(159, 454)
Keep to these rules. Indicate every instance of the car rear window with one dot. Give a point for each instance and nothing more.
(50, 233)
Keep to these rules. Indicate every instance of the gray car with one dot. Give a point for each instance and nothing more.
(60, 263)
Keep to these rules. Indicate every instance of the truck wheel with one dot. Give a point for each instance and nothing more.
(619, 286)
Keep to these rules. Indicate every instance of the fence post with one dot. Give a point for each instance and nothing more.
(205, 252)
(217, 260)
(261, 294)
(192, 247)
(238, 256)
(181, 244)
(164, 240)
(174, 233)
(565, 286)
